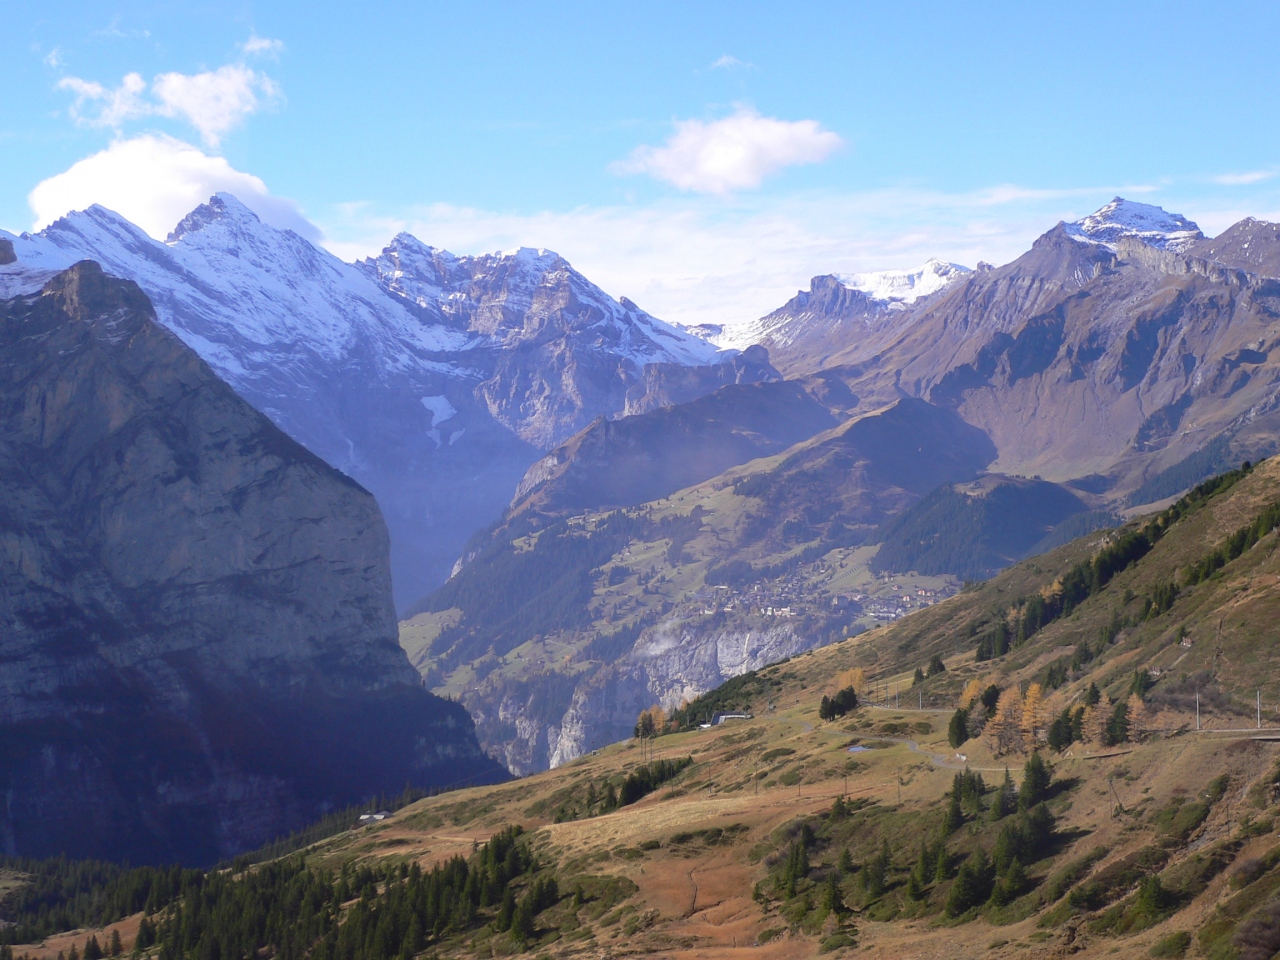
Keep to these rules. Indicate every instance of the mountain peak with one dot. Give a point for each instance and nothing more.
(221, 207)
(1128, 218)
(906, 286)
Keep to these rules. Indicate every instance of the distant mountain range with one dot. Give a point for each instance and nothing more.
(591, 510)
(1121, 359)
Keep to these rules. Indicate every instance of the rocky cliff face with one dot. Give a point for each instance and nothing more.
(675, 662)
(200, 647)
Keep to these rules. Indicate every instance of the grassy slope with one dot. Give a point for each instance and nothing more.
(756, 781)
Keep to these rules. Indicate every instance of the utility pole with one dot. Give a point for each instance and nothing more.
(1259, 694)
(921, 699)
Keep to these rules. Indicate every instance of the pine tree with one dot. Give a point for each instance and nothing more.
(522, 929)
(942, 863)
(115, 948)
(1005, 801)
(506, 912)
(1036, 777)
(831, 899)
(846, 862)
(915, 887)
(958, 728)
(955, 815)
(93, 949)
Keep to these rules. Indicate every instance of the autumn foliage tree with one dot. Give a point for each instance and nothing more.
(1004, 732)
(651, 722)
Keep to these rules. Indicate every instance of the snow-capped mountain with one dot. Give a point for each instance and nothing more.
(906, 286)
(433, 380)
(510, 296)
(1128, 218)
(834, 310)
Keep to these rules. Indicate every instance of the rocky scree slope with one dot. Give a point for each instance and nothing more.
(433, 380)
(199, 650)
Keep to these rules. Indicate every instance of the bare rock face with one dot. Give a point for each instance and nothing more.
(199, 648)
(675, 662)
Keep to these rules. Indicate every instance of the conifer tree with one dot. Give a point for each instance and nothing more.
(942, 863)
(1036, 777)
(1005, 801)
(958, 728)
(522, 929)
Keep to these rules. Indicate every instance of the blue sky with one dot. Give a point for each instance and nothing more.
(704, 159)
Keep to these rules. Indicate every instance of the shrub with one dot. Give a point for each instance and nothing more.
(1172, 946)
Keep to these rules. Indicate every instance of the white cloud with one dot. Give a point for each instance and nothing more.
(154, 181)
(53, 58)
(726, 62)
(261, 46)
(107, 108)
(736, 153)
(214, 102)
(1243, 179)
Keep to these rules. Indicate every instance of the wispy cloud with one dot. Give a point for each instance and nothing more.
(1243, 179)
(735, 153)
(257, 46)
(213, 102)
(53, 58)
(727, 62)
(99, 106)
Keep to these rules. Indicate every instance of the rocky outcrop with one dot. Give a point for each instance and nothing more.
(674, 662)
(199, 648)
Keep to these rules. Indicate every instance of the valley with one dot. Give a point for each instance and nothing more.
(884, 829)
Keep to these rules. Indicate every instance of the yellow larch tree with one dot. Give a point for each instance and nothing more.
(972, 690)
(1094, 722)
(854, 677)
(1032, 716)
(1004, 732)
(1137, 715)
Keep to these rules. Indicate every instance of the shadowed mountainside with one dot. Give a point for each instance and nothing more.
(200, 646)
